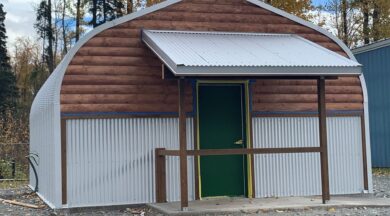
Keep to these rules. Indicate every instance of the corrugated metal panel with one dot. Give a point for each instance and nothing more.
(247, 53)
(111, 161)
(45, 140)
(299, 174)
(41, 143)
(376, 72)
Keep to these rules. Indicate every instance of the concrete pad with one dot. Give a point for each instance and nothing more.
(245, 205)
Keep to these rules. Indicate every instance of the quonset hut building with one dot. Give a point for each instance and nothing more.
(200, 98)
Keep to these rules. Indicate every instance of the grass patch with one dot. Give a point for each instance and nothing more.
(12, 184)
(381, 171)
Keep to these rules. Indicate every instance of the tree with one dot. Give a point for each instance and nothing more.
(344, 20)
(152, 2)
(129, 6)
(8, 90)
(78, 18)
(64, 36)
(106, 10)
(347, 20)
(93, 10)
(380, 19)
(50, 37)
(375, 19)
(297, 7)
(4, 58)
(29, 69)
(44, 28)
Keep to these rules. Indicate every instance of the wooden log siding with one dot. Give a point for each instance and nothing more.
(342, 94)
(116, 72)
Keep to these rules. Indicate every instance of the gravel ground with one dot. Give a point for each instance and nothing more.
(382, 185)
(23, 194)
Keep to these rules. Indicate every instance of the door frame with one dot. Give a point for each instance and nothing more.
(248, 132)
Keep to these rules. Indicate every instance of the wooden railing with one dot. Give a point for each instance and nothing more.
(162, 153)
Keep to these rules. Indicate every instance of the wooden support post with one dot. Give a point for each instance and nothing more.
(161, 190)
(323, 139)
(183, 148)
(364, 152)
(196, 161)
(64, 186)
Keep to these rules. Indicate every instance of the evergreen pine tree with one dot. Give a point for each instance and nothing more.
(8, 90)
(43, 26)
(4, 58)
(106, 10)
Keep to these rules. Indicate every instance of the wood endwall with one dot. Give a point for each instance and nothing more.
(116, 72)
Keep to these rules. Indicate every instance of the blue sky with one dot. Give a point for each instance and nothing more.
(317, 2)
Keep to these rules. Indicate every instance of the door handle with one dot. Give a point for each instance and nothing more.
(239, 142)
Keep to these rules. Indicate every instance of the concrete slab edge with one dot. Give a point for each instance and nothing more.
(260, 209)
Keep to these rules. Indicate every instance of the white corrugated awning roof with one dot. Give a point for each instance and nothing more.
(189, 53)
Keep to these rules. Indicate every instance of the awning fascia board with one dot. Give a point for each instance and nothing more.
(265, 71)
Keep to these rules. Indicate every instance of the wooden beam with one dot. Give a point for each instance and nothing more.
(244, 151)
(292, 114)
(183, 147)
(64, 186)
(252, 157)
(161, 190)
(196, 160)
(364, 152)
(323, 139)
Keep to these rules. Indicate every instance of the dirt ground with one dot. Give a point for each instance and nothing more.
(23, 194)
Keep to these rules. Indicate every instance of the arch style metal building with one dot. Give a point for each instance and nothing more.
(267, 105)
(375, 57)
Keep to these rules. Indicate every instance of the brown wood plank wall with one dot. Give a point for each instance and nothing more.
(342, 94)
(115, 71)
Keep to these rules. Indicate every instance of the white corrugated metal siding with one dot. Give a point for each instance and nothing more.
(111, 161)
(45, 140)
(42, 143)
(299, 174)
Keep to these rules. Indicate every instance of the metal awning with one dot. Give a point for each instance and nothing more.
(188, 53)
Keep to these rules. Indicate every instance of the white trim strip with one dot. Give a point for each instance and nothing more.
(371, 47)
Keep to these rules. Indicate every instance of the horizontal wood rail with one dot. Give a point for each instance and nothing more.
(161, 154)
(204, 152)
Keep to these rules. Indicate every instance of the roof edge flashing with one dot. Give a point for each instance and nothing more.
(372, 46)
(266, 71)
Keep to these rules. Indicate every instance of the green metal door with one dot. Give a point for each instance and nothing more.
(222, 126)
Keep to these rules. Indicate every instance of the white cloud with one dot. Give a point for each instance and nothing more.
(20, 19)
(326, 18)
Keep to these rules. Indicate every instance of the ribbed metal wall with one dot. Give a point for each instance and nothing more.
(376, 72)
(111, 161)
(42, 137)
(299, 174)
(45, 141)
